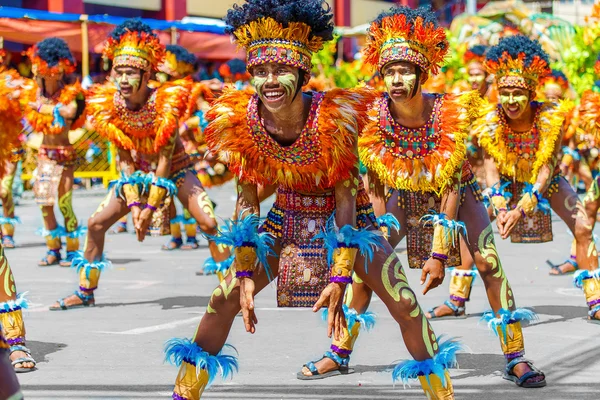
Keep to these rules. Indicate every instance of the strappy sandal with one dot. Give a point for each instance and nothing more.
(556, 267)
(86, 301)
(342, 368)
(8, 242)
(45, 262)
(173, 244)
(22, 360)
(458, 312)
(190, 244)
(69, 259)
(522, 381)
(592, 315)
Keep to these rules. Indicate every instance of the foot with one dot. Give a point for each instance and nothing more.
(119, 228)
(191, 244)
(69, 259)
(173, 244)
(52, 257)
(521, 369)
(324, 365)
(20, 358)
(8, 242)
(75, 300)
(445, 310)
(562, 269)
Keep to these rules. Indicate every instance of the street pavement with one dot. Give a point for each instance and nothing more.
(114, 350)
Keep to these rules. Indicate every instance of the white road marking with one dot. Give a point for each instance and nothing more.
(571, 292)
(142, 284)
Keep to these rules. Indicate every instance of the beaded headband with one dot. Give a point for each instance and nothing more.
(41, 67)
(135, 49)
(394, 38)
(266, 40)
(511, 72)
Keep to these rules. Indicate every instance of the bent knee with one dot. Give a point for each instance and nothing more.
(95, 226)
(583, 230)
(208, 225)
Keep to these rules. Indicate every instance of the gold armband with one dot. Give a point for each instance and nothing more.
(441, 245)
(499, 203)
(343, 264)
(245, 261)
(132, 195)
(528, 203)
(156, 197)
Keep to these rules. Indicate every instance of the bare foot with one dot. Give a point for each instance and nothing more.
(21, 354)
(323, 366)
(48, 260)
(563, 268)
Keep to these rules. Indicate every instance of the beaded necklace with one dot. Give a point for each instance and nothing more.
(406, 142)
(135, 121)
(305, 150)
(524, 144)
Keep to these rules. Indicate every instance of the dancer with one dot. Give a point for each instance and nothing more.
(306, 147)
(57, 108)
(143, 124)
(521, 142)
(414, 144)
(13, 88)
(12, 327)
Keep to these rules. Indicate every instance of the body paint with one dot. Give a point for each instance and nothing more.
(6, 277)
(475, 79)
(258, 82)
(487, 248)
(65, 204)
(288, 81)
(408, 81)
(521, 100)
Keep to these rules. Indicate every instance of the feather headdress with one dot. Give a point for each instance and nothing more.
(51, 57)
(133, 44)
(404, 34)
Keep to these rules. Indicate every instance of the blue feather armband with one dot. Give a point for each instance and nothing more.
(389, 221)
(14, 305)
(10, 221)
(244, 232)
(138, 179)
(506, 317)
(365, 240)
(451, 228)
(178, 351)
(166, 184)
(443, 360)
(80, 263)
(584, 274)
(542, 204)
(367, 319)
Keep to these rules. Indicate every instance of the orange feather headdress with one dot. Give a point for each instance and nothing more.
(51, 57)
(133, 48)
(403, 34)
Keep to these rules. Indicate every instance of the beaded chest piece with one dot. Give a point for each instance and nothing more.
(523, 144)
(136, 123)
(304, 151)
(409, 142)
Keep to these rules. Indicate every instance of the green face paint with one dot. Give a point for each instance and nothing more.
(475, 79)
(409, 81)
(135, 83)
(258, 82)
(388, 80)
(288, 81)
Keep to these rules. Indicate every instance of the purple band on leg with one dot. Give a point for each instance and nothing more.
(178, 397)
(87, 290)
(16, 341)
(510, 356)
(593, 302)
(340, 351)
(457, 298)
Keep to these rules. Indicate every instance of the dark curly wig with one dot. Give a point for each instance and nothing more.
(181, 54)
(516, 45)
(558, 75)
(236, 66)
(478, 50)
(314, 13)
(52, 50)
(131, 25)
(424, 12)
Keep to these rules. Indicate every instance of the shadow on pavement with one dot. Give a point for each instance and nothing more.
(565, 312)
(167, 303)
(30, 245)
(39, 350)
(123, 261)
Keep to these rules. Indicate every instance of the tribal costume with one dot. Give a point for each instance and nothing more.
(525, 182)
(12, 327)
(318, 190)
(434, 196)
(53, 115)
(142, 123)
(13, 89)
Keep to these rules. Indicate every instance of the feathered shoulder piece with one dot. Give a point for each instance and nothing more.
(197, 90)
(322, 156)
(521, 163)
(422, 159)
(46, 124)
(146, 130)
(589, 113)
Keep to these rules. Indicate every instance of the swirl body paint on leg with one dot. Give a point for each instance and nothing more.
(487, 248)
(65, 204)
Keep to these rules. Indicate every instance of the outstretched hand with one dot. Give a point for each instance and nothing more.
(333, 296)
(247, 304)
(143, 223)
(436, 271)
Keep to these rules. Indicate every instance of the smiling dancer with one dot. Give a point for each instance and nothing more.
(304, 143)
(57, 108)
(414, 144)
(143, 125)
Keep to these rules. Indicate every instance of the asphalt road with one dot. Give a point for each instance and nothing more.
(114, 351)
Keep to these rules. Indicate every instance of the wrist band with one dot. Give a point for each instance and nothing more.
(134, 204)
(185, 125)
(340, 279)
(39, 109)
(244, 274)
(150, 206)
(439, 256)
